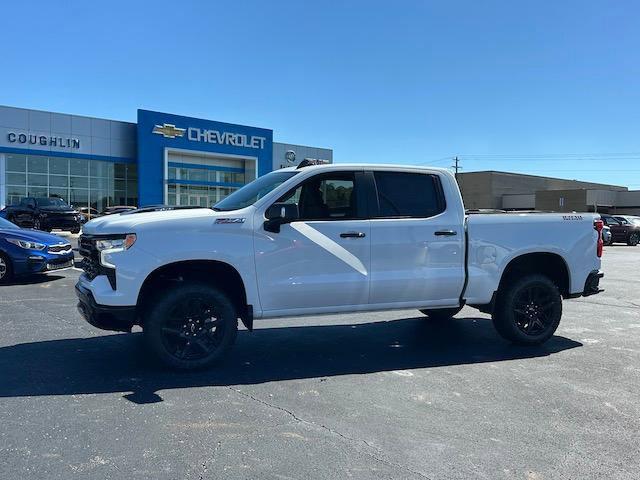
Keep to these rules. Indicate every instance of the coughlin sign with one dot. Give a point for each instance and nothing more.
(43, 140)
(168, 130)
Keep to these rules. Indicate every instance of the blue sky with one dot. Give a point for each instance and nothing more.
(541, 87)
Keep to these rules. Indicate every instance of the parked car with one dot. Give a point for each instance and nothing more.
(622, 230)
(87, 214)
(117, 209)
(330, 239)
(45, 214)
(24, 252)
(606, 235)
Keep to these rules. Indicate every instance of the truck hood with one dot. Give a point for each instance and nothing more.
(32, 236)
(133, 222)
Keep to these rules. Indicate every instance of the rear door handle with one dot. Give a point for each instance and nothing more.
(445, 233)
(353, 235)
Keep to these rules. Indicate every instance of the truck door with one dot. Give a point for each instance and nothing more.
(417, 244)
(323, 260)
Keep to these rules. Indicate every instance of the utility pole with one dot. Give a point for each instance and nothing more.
(456, 166)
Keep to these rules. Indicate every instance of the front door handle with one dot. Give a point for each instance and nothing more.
(445, 233)
(353, 235)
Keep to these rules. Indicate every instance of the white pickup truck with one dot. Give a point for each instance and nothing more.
(330, 239)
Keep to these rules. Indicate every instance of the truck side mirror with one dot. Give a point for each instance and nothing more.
(279, 214)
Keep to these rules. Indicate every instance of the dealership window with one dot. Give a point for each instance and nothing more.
(80, 182)
(202, 193)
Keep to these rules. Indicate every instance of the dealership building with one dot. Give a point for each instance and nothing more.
(161, 159)
(516, 191)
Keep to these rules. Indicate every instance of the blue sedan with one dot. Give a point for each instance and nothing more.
(24, 252)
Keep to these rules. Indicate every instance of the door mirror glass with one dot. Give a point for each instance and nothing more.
(286, 212)
(279, 214)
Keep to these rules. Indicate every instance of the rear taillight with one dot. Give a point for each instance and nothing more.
(598, 225)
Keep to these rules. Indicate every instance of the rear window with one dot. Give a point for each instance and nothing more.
(403, 194)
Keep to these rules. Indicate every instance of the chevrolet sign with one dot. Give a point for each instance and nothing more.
(225, 138)
(168, 130)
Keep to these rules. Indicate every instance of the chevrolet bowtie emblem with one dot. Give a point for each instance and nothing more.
(169, 131)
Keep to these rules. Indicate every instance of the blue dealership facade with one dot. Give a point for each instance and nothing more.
(163, 158)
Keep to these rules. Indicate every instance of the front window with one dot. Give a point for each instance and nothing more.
(252, 192)
(330, 196)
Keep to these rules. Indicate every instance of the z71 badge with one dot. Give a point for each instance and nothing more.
(229, 220)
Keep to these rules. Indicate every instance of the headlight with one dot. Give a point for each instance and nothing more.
(27, 244)
(115, 244)
(123, 242)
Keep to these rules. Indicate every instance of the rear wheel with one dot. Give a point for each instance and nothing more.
(441, 314)
(528, 311)
(191, 326)
(6, 273)
(633, 239)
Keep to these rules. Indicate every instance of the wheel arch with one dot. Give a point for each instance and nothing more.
(549, 264)
(213, 272)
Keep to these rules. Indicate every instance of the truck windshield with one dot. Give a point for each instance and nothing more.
(50, 202)
(252, 192)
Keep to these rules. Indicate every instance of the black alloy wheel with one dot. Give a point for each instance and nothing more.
(191, 326)
(528, 311)
(533, 308)
(634, 239)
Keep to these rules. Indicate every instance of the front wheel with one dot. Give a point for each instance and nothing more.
(528, 311)
(441, 314)
(191, 326)
(6, 274)
(633, 239)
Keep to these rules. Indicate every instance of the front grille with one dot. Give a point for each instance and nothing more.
(65, 248)
(90, 256)
(91, 260)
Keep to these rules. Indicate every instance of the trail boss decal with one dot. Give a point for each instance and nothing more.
(572, 217)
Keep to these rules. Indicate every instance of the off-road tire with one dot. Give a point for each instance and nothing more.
(528, 310)
(169, 331)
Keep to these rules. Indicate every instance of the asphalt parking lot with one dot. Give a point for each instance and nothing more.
(375, 395)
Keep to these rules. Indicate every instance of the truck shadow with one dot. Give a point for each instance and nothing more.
(34, 279)
(118, 363)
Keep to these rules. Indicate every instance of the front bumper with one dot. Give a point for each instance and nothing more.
(105, 317)
(33, 261)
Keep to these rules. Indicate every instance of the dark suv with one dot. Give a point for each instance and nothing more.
(44, 214)
(622, 231)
